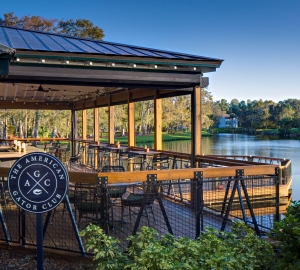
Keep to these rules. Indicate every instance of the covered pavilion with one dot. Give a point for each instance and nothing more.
(40, 70)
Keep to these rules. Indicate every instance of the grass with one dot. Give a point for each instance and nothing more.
(150, 138)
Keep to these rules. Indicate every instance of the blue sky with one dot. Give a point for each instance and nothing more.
(258, 39)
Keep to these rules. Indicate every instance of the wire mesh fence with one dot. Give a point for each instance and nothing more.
(182, 207)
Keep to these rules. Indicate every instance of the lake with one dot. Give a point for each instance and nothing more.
(240, 144)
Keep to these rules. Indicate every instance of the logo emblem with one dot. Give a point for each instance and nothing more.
(38, 182)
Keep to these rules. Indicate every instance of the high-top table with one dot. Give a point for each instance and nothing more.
(143, 154)
(116, 149)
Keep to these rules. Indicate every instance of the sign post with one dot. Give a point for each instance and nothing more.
(38, 183)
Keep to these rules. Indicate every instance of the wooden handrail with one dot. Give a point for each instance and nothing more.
(140, 176)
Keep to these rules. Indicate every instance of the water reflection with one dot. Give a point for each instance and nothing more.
(240, 144)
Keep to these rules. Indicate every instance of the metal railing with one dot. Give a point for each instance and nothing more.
(182, 202)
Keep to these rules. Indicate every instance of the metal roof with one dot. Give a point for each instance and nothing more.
(31, 40)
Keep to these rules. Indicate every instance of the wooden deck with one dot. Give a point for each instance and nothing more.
(60, 233)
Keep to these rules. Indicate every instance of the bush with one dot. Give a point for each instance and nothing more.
(238, 249)
(287, 235)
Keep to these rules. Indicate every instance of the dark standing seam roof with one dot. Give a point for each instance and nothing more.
(24, 39)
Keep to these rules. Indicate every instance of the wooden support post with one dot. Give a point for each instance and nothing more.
(96, 135)
(131, 122)
(73, 132)
(111, 124)
(196, 125)
(198, 129)
(84, 133)
(157, 122)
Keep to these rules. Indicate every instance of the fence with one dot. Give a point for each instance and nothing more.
(184, 206)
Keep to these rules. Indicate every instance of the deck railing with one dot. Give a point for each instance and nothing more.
(186, 200)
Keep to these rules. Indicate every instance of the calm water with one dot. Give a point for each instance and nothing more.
(239, 144)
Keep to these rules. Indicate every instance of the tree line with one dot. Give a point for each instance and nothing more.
(82, 28)
(176, 110)
(259, 114)
(176, 117)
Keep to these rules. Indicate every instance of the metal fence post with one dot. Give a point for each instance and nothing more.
(22, 220)
(277, 183)
(198, 187)
(102, 183)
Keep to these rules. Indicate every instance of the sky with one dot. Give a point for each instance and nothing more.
(259, 40)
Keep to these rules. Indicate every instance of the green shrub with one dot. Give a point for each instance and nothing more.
(238, 249)
(287, 235)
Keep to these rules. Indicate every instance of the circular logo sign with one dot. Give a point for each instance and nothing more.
(38, 182)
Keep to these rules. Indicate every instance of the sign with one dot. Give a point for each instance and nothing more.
(38, 182)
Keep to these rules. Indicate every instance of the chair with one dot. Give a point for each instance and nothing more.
(90, 155)
(160, 162)
(137, 200)
(86, 201)
(77, 158)
(114, 192)
(136, 161)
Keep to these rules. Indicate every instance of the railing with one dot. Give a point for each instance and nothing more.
(210, 197)
(186, 200)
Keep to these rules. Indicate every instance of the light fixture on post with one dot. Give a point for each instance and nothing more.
(153, 66)
(111, 64)
(42, 61)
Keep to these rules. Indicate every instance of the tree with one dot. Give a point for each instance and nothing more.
(29, 22)
(82, 28)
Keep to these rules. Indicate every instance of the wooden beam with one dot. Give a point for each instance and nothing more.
(163, 175)
(140, 94)
(91, 76)
(138, 176)
(157, 122)
(131, 121)
(111, 125)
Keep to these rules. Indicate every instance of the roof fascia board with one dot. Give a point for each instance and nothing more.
(200, 70)
(120, 59)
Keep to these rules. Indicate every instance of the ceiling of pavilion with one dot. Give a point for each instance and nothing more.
(45, 67)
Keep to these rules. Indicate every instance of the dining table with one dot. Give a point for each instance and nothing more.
(115, 149)
(144, 155)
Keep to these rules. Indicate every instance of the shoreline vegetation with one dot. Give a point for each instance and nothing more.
(282, 132)
(149, 138)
